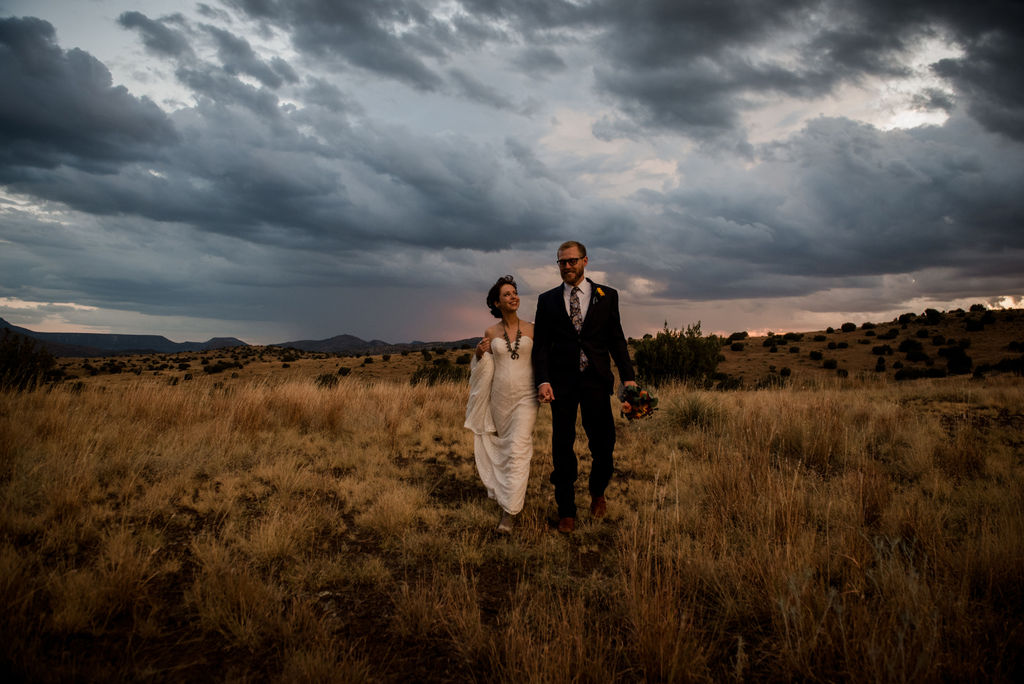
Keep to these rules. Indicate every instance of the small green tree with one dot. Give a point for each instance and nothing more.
(676, 355)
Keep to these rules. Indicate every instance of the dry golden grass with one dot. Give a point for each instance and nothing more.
(266, 528)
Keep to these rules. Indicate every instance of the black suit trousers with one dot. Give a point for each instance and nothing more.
(589, 397)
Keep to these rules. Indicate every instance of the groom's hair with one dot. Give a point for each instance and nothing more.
(494, 294)
(572, 243)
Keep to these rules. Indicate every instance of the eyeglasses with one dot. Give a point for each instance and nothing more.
(562, 263)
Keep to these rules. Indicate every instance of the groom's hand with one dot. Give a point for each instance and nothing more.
(626, 407)
(545, 394)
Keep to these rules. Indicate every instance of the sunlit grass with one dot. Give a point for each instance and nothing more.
(281, 530)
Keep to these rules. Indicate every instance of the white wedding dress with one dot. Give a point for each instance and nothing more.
(501, 412)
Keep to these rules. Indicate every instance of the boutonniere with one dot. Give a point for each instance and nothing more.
(600, 292)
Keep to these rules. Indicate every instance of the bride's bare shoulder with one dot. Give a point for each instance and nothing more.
(493, 331)
(527, 329)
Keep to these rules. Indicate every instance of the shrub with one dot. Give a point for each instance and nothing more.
(220, 366)
(882, 350)
(677, 355)
(463, 359)
(431, 374)
(917, 356)
(843, 345)
(910, 346)
(933, 316)
(385, 357)
(794, 350)
(23, 366)
(842, 372)
(957, 360)
(737, 336)
(793, 337)
(815, 356)
(938, 341)
(326, 380)
(848, 327)
(867, 326)
(915, 373)
(728, 382)
(890, 334)
(785, 371)
(829, 364)
(880, 365)
(869, 333)
(736, 346)
(343, 371)
(977, 307)
(831, 345)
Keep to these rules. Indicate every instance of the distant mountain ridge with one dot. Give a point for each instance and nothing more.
(350, 344)
(104, 344)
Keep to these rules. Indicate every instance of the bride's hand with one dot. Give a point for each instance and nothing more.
(482, 347)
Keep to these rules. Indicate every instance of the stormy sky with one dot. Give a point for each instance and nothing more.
(295, 169)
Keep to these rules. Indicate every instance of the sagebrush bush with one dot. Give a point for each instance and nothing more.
(673, 355)
(433, 374)
(23, 363)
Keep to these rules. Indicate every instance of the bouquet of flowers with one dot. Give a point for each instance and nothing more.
(637, 403)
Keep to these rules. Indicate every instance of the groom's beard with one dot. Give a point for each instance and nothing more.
(572, 276)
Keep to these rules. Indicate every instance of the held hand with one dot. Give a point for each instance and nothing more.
(629, 383)
(545, 394)
(482, 347)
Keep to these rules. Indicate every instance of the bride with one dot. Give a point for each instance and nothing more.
(502, 406)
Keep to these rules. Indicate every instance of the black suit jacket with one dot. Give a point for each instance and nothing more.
(556, 344)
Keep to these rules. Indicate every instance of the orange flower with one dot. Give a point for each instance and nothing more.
(600, 292)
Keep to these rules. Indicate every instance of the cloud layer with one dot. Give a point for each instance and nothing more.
(405, 153)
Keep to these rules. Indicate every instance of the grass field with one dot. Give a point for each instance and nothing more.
(262, 527)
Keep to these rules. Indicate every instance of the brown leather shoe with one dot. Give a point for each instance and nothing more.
(566, 525)
(598, 507)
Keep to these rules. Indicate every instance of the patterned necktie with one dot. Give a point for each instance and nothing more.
(576, 315)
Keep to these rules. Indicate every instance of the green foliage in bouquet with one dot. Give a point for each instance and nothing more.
(676, 355)
(637, 403)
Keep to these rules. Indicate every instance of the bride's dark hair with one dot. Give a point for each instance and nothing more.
(494, 294)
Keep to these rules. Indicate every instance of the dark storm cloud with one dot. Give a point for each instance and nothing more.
(540, 62)
(60, 107)
(365, 34)
(477, 91)
(156, 35)
(690, 66)
(843, 202)
(242, 168)
(238, 57)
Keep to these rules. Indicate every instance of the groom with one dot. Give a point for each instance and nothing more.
(577, 329)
